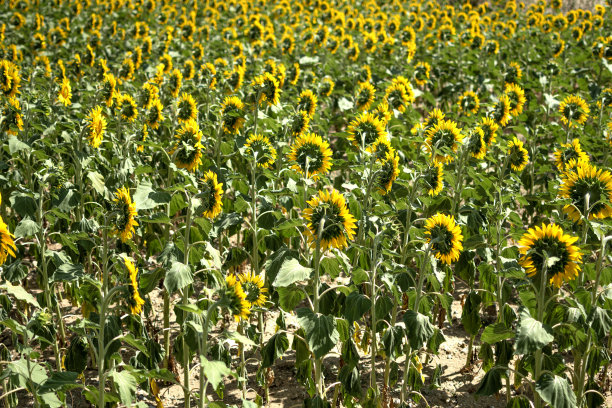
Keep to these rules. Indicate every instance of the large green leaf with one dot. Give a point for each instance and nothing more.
(418, 329)
(355, 306)
(492, 381)
(65, 380)
(496, 332)
(320, 331)
(556, 391)
(19, 293)
(215, 371)
(600, 321)
(470, 316)
(290, 272)
(531, 334)
(126, 386)
(26, 228)
(290, 297)
(178, 277)
(274, 348)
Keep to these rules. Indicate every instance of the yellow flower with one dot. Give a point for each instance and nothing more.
(388, 172)
(421, 73)
(7, 243)
(97, 126)
(489, 128)
(175, 82)
(398, 96)
(434, 178)
(328, 215)
(186, 108)
(518, 156)
(477, 144)
(65, 92)
(442, 140)
(445, 237)
(10, 81)
(550, 239)
(469, 103)
(307, 101)
(516, 95)
(187, 149)
(260, 148)
(127, 214)
(253, 286)
(144, 133)
(574, 111)
(586, 179)
(13, 117)
(365, 96)
(211, 195)
(135, 301)
(365, 130)
(232, 112)
(109, 91)
(127, 106)
(501, 110)
(569, 155)
(236, 299)
(268, 89)
(311, 155)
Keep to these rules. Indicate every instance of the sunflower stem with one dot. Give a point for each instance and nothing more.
(101, 344)
(188, 222)
(408, 221)
(598, 269)
(243, 373)
(203, 351)
(317, 258)
(373, 267)
(540, 318)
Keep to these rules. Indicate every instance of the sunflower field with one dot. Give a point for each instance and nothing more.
(317, 203)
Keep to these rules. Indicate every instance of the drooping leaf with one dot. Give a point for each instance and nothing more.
(531, 334)
(290, 272)
(320, 331)
(274, 348)
(126, 386)
(556, 391)
(215, 371)
(418, 329)
(496, 332)
(355, 306)
(178, 277)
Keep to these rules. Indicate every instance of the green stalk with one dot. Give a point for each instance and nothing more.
(243, 372)
(541, 306)
(102, 346)
(373, 267)
(459, 179)
(203, 351)
(262, 327)
(187, 393)
(317, 258)
(408, 223)
(388, 358)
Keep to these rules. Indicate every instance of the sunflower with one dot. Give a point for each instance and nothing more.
(444, 237)
(434, 178)
(469, 103)
(126, 220)
(208, 75)
(148, 93)
(441, 138)
(307, 101)
(382, 112)
(388, 172)
(476, 143)
(516, 94)
(574, 111)
(513, 73)
(381, 147)
(489, 128)
(329, 216)
(253, 287)
(327, 86)
(235, 299)
(127, 106)
(586, 179)
(293, 75)
(186, 108)
(518, 156)
(135, 301)
(421, 73)
(97, 126)
(365, 96)
(13, 117)
(268, 89)
(188, 146)
(143, 134)
(65, 92)
(501, 110)
(232, 114)
(311, 154)
(7, 243)
(261, 149)
(569, 155)
(175, 82)
(109, 91)
(211, 195)
(550, 239)
(397, 97)
(154, 114)
(298, 123)
(365, 130)
(10, 81)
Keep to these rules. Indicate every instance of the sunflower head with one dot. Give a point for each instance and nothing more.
(97, 126)
(13, 118)
(469, 103)
(569, 155)
(501, 110)
(253, 287)
(188, 147)
(65, 92)
(307, 101)
(126, 214)
(518, 156)
(433, 176)
(135, 301)
(211, 194)
(444, 237)
(516, 95)
(550, 241)
(232, 113)
(476, 143)
(489, 128)
(442, 141)
(574, 111)
(513, 72)
(235, 299)
(365, 96)
(175, 82)
(155, 114)
(388, 172)
(260, 148)
(365, 130)
(328, 215)
(311, 155)
(127, 107)
(397, 96)
(586, 185)
(268, 89)
(326, 87)
(186, 108)
(7, 243)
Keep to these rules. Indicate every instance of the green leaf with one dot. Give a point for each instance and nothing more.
(65, 380)
(290, 272)
(290, 297)
(496, 332)
(600, 321)
(556, 391)
(215, 371)
(19, 293)
(26, 228)
(470, 316)
(355, 306)
(320, 331)
(97, 182)
(274, 348)
(531, 334)
(146, 198)
(492, 381)
(418, 329)
(16, 145)
(126, 386)
(237, 337)
(178, 277)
